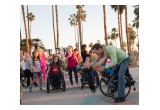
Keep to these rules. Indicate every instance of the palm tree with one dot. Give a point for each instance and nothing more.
(31, 18)
(20, 36)
(83, 18)
(57, 25)
(81, 15)
(136, 20)
(53, 27)
(90, 45)
(132, 35)
(114, 35)
(25, 26)
(126, 19)
(105, 26)
(28, 24)
(73, 22)
(34, 42)
(120, 9)
(98, 42)
(136, 11)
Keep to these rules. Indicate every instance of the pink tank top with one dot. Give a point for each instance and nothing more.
(43, 60)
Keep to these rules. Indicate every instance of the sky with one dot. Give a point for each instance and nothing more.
(93, 28)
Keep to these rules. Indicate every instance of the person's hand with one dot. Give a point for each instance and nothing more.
(87, 65)
(100, 68)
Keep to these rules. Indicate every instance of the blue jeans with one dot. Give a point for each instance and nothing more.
(92, 75)
(84, 77)
(121, 76)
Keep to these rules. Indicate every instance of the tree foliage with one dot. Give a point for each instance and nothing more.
(32, 42)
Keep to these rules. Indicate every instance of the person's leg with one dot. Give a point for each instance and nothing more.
(28, 77)
(92, 75)
(90, 83)
(56, 81)
(121, 78)
(60, 77)
(40, 80)
(75, 74)
(44, 72)
(70, 75)
(53, 80)
(34, 79)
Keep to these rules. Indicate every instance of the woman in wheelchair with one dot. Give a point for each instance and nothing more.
(55, 72)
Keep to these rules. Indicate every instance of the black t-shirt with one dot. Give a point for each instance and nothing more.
(84, 55)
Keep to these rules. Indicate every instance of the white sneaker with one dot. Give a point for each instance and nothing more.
(77, 85)
(72, 86)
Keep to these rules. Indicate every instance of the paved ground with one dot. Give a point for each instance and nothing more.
(76, 96)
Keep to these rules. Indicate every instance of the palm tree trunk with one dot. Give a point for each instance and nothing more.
(75, 33)
(25, 26)
(53, 27)
(57, 25)
(79, 47)
(115, 42)
(138, 39)
(126, 19)
(121, 31)
(119, 27)
(137, 36)
(105, 26)
(28, 24)
(82, 32)
(20, 36)
(79, 24)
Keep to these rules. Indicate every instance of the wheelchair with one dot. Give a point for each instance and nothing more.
(92, 84)
(61, 84)
(109, 84)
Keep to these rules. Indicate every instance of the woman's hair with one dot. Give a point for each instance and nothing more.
(53, 63)
(75, 50)
(83, 47)
(56, 63)
(33, 58)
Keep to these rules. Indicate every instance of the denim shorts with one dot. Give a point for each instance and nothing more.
(37, 73)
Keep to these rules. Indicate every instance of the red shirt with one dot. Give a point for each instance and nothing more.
(54, 69)
(71, 60)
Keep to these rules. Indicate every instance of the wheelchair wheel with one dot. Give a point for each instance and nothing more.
(96, 80)
(104, 86)
(48, 85)
(63, 84)
(113, 86)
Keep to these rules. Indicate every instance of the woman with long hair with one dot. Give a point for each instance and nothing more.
(55, 69)
(71, 65)
(36, 70)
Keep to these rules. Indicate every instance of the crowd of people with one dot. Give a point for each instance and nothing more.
(34, 67)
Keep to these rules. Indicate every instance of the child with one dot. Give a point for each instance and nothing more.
(36, 70)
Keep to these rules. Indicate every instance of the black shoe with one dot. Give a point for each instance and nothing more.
(30, 89)
(35, 84)
(119, 100)
(23, 85)
(41, 90)
(113, 90)
(94, 91)
(82, 86)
